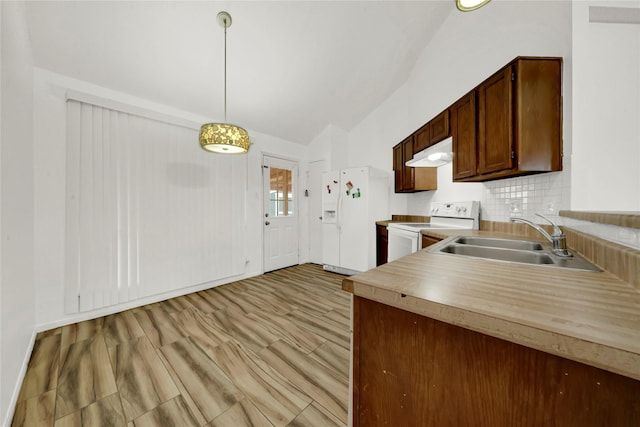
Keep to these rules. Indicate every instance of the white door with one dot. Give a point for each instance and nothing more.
(315, 211)
(280, 213)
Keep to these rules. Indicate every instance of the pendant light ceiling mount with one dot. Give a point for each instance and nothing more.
(224, 138)
(224, 19)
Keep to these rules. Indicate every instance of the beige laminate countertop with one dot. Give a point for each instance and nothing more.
(590, 317)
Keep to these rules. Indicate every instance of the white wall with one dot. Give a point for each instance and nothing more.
(17, 312)
(606, 112)
(50, 137)
(331, 145)
(468, 48)
(320, 147)
(371, 141)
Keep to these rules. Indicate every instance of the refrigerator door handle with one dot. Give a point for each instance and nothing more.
(338, 213)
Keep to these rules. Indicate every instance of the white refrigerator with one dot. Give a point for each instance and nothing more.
(352, 201)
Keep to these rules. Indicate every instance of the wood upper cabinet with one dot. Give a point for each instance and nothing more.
(518, 123)
(398, 166)
(408, 179)
(433, 132)
(463, 130)
(439, 128)
(422, 138)
(495, 124)
(408, 173)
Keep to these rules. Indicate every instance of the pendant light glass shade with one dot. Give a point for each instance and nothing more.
(224, 138)
(468, 5)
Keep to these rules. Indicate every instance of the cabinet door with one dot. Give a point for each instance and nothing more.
(385, 372)
(398, 167)
(495, 123)
(414, 371)
(382, 244)
(439, 127)
(463, 129)
(407, 172)
(538, 114)
(422, 138)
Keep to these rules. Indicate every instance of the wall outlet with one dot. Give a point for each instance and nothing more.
(551, 208)
(515, 207)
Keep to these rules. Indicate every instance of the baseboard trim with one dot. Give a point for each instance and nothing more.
(112, 309)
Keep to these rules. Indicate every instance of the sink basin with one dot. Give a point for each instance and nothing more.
(502, 254)
(523, 245)
(507, 250)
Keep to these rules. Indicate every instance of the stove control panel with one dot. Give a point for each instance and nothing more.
(467, 210)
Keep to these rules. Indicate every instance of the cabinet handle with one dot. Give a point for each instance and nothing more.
(267, 223)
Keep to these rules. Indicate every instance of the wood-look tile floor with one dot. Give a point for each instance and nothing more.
(272, 350)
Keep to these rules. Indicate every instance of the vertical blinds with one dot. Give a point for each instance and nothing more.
(147, 210)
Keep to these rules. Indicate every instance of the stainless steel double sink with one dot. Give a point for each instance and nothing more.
(509, 250)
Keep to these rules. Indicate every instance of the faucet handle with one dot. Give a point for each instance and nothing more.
(557, 232)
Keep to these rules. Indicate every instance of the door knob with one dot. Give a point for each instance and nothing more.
(267, 223)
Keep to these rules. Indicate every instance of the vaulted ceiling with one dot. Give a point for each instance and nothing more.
(294, 67)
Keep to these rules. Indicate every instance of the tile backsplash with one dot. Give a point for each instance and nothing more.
(546, 194)
(525, 196)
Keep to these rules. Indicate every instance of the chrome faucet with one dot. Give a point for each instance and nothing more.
(556, 238)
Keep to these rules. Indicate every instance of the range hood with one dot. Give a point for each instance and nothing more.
(437, 155)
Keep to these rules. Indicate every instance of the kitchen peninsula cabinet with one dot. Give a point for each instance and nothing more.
(411, 370)
(517, 123)
(408, 179)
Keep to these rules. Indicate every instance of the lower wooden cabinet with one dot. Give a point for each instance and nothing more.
(382, 244)
(413, 371)
(428, 241)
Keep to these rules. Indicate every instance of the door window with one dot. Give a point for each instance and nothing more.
(281, 202)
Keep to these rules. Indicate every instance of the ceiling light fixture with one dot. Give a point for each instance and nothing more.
(469, 5)
(223, 137)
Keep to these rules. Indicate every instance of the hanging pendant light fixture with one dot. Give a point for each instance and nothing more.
(223, 137)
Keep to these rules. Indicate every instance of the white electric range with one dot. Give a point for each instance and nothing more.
(404, 237)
